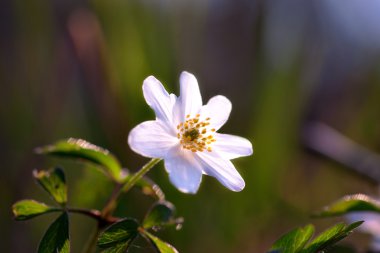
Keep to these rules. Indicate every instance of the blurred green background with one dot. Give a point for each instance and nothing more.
(75, 69)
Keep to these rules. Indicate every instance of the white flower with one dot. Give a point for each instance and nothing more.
(184, 134)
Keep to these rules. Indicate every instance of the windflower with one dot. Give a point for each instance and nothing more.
(185, 136)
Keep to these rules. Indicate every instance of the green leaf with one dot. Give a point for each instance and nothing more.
(161, 214)
(330, 237)
(117, 248)
(294, 241)
(119, 235)
(148, 187)
(27, 209)
(351, 203)
(56, 238)
(81, 149)
(161, 246)
(53, 181)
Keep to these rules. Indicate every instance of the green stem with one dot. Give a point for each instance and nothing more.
(139, 174)
(110, 206)
(119, 188)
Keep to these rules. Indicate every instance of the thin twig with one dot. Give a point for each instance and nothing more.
(109, 207)
(95, 214)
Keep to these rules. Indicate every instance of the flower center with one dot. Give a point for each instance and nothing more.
(196, 135)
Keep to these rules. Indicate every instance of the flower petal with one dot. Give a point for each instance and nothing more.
(221, 169)
(218, 108)
(151, 139)
(184, 172)
(158, 99)
(232, 146)
(191, 100)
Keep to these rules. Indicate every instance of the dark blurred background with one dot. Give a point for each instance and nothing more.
(303, 77)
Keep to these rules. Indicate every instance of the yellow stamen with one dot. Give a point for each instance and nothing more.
(194, 134)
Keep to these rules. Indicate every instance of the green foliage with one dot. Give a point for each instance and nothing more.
(119, 235)
(330, 237)
(53, 181)
(160, 246)
(56, 238)
(161, 214)
(81, 149)
(351, 203)
(296, 241)
(27, 209)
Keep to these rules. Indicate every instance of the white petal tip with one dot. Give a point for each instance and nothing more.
(186, 76)
(185, 73)
(150, 78)
(238, 187)
(149, 81)
(250, 152)
(185, 186)
(192, 192)
(191, 189)
(185, 174)
(223, 99)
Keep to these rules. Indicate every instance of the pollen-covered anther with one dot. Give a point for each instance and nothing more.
(194, 134)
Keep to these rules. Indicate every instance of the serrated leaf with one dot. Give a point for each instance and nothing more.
(118, 234)
(81, 149)
(53, 181)
(294, 241)
(351, 203)
(148, 187)
(27, 209)
(56, 238)
(330, 237)
(161, 214)
(160, 246)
